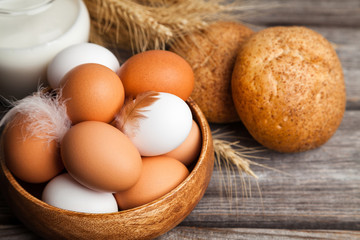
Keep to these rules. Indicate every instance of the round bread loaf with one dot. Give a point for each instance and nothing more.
(288, 88)
(212, 54)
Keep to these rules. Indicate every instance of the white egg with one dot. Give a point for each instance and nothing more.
(66, 193)
(76, 55)
(166, 125)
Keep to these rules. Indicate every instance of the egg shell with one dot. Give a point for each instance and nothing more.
(160, 174)
(32, 159)
(92, 92)
(66, 193)
(157, 70)
(165, 125)
(76, 55)
(100, 157)
(190, 149)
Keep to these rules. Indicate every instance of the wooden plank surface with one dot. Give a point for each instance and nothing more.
(310, 195)
(317, 189)
(331, 13)
(184, 233)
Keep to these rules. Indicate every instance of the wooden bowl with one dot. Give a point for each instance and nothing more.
(144, 222)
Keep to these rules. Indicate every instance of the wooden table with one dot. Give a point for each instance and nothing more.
(309, 195)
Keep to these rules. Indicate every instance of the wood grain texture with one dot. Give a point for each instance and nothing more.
(304, 12)
(317, 189)
(316, 195)
(183, 233)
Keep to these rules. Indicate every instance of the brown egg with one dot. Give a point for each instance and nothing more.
(189, 150)
(92, 92)
(157, 70)
(30, 158)
(160, 174)
(100, 157)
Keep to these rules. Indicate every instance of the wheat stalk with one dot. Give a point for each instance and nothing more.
(231, 158)
(140, 25)
(148, 24)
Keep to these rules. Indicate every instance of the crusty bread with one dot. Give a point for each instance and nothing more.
(212, 54)
(288, 88)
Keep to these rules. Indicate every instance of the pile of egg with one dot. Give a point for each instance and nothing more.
(131, 137)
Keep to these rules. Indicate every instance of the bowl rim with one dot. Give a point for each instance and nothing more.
(206, 137)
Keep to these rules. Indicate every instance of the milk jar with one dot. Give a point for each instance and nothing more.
(32, 32)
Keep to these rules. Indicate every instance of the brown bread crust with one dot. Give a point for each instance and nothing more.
(288, 88)
(212, 54)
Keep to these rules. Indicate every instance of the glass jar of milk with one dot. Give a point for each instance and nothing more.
(32, 32)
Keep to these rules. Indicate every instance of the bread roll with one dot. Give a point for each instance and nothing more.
(212, 54)
(288, 88)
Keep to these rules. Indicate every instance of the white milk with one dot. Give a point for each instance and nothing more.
(32, 32)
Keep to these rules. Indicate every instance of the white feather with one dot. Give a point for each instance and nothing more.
(45, 113)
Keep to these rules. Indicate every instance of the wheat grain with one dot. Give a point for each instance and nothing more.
(232, 158)
(143, 25)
